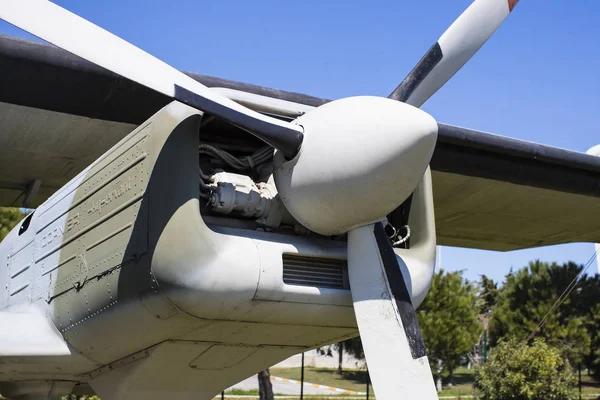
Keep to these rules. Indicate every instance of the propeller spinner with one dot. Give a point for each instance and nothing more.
(360, 159)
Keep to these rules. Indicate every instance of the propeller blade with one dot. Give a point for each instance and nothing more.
(454, 48)
(76, 35)
(389, 331)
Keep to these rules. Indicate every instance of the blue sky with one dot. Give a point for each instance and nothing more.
(536, 78)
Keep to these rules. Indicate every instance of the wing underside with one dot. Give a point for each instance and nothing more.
(59, 113)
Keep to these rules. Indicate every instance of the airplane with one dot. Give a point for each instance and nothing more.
(207, 229)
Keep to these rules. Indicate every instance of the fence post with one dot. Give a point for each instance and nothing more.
(368, 381)
(579, 380)
(302, 379)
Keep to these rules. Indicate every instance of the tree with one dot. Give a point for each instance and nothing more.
(448, 321)
(516, 370)
(488, 294)
(586, 295)
(594, 360)
(265, 388)
(9, 217)
(525, 299)
(352, 347)
(340, 350)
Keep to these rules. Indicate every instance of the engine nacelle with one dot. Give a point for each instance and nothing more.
(121, 261)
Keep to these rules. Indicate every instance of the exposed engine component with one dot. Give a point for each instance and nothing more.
(396, 236)
(234, 193)
(260, 156)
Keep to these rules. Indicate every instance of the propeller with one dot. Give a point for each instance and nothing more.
(454, 48)
(378, 296)
(329, 188)
(388, 325)
(387, 148)
(76, 35)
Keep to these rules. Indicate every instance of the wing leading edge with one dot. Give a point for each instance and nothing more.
(490, 192)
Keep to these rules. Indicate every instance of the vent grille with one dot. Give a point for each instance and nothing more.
(314, 271)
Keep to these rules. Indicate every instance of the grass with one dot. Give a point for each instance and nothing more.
(292, 397)
(588, 384)
(355, 380)
(462, 383)
(243, 392)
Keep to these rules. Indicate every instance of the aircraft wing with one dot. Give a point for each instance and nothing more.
(59, 113)
(497, 193)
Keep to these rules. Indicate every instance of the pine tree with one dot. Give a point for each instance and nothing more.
(488, 294)
(448, 321)
(529, 294)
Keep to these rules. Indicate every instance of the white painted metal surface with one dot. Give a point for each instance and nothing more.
(29, 332)
(70, 261)
(392, 369)
(419, 259)
(356, 169)
(460, 42)
(264, 103)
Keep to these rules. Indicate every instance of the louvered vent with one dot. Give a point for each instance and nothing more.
(314, 271)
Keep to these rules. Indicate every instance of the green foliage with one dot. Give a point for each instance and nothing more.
(488, 294)
(519, 371)
(9, 217)
(448, 320)
(587, 294)
(353, 347)
(594, 360)
(528, 295)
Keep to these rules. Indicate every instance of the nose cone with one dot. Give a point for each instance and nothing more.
(360, 159)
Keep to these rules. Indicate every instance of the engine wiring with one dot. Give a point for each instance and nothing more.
(205, 189)
(244, 163)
